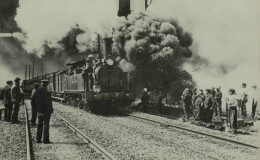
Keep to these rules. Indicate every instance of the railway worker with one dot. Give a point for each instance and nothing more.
(208, 106)
(88, 73)
(194, 97)
(186, 103)
(243, 99)
(254, 101)
(44, 111)
(145, 100)
(232, 102)
(218, 100)
(33, 104)
(199, 105)
(6, 94)
(17, 99)
(213, 91)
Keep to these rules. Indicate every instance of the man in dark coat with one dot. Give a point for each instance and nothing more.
(17, 99)
(209, 104)
(6, 94)
(199, 106)
(44, 111)
(218, 100)
(145, 100)
(33, 103)
(186, 103)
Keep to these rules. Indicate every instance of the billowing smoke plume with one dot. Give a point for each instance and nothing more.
(226, 39)
(126, 66)
(48, 20)
(142, 37)
(12, 55)
(62, 31)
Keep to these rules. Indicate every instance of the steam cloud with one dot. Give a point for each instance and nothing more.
(226, 39)
(142, 37)
(48, 20)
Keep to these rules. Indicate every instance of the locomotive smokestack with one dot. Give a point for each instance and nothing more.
(107, 47)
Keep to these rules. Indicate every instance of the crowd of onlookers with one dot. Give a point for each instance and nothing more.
(204, 106)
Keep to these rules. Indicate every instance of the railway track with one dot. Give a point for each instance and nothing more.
(229, 140)
(29, 155)
(197, 132)
(80, 134)
(86, 139)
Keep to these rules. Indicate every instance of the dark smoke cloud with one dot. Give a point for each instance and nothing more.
(141, 37)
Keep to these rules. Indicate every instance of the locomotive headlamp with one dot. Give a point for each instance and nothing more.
(110, 62)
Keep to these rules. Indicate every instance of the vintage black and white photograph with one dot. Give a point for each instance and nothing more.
(129, 79)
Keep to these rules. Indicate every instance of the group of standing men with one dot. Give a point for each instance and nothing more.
(41, 104)
(12, 98)
(202, 106)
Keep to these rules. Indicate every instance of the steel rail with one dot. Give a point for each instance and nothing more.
(199, 132)
(29, 155)
(87, 139)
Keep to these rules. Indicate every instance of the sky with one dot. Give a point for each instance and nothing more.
(225, 34)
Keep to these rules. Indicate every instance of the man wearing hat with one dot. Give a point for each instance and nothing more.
(218, 100)
(17, 99)
(243, 99)
(254, 101)
(186, 103)
(194, 97)
(44, 111)
(145, 100)
(6, 93)
(208, 105)
(33, 103)
(232, 108)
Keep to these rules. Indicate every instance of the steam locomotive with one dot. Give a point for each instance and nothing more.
(92, 84)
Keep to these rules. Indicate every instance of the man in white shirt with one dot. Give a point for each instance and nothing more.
(232, 109)
(243, 99)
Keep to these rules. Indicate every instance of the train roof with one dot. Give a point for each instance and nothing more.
(81, 62)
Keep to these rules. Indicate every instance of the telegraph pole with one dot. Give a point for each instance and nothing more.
(29, 71)
(25, 75)
(33, 68)
(99, 47)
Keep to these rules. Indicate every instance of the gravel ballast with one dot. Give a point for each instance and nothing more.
(128, 138)
(250, 139)
(65, 144)
(13, 139)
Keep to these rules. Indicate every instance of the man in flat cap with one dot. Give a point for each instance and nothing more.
(255, 97)
(33, 104)
(208, 105)
(17, 99)
(145, 100)
(218, 100)
(44, 111)
(186, 104)
(6, 93)
(232, 102)
(194, 97)
(243, 99)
